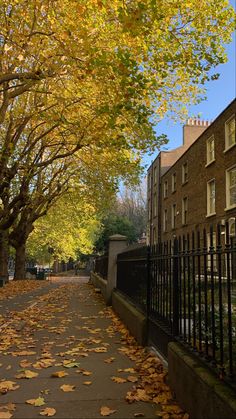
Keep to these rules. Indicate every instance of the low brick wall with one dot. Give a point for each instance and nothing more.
(99, 282)
(196, 388)
(133, 318)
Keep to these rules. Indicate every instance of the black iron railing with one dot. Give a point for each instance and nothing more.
(101, 265)
(132, 275)
(189, 286)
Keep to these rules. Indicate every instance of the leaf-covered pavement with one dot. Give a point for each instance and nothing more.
(73, 358)
(15, 288)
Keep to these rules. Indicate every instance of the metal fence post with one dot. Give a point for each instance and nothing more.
(175, 277)
(148, 302)
(148, 290)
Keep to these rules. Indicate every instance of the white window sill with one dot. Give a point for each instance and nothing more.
(210, 162)
(230, 208)
(229, 148)
(210, 215)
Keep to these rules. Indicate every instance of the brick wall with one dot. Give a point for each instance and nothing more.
(199, 173)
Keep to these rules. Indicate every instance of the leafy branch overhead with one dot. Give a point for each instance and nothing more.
(84, 80)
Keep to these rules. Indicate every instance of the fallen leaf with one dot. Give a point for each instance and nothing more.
(106, 411)
(71, 364)
(47, 391)
(67, 387)
(119, 380)
(162, 398)
(109, 360)
(172, 409)
(27, 374)
(87, 373)
(10, 406)
(132, 379)
(132, 370)
(36, 402)
(24, 363)
(99, 350)
(8, 367)
(48, 411)
(59, 374)
(5, 415)
(6, 386)
(87, 383)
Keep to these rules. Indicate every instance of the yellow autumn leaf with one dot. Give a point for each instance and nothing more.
(36, 402)
(132, 378)
(59, 374)
(5, 415)
(8, 386)
(109, 360)
(118, 380)
(106, 411)
(27, 374)
(87, 373)
(99, 350)
(132, 370)
(87, 383)
(25, 363)
(48, 411)
(67, 387)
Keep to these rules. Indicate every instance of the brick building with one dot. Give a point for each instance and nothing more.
(194, 186)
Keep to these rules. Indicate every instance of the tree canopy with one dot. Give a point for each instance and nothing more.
(90, 79)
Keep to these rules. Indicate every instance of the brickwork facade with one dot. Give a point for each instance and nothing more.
(198, 189)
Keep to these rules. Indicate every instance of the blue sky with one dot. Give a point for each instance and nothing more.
(219, 94)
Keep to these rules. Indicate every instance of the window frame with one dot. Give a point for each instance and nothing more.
(227, 191)
(209, 141)
(173, 216)
(155, 175)
(211, 181)
(184, 173)
(165, 220)
(184, 210)
(173, 182)
(227, 145)
(155, 205)
(165, 189)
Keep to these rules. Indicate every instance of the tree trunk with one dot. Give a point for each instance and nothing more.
(4, 255)
(20, 261)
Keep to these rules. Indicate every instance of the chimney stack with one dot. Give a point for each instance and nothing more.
(193, 128)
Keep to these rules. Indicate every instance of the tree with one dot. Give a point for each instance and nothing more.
(80, 76)
(68, 228)
(132, 204)
(114, 224)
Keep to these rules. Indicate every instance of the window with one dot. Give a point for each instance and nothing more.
(165, 220)
(184, 210)
(174, 182)
(173, 216)
(211, 197)
(210, 149)
(230, 132)
(155, 205)
(154, 235)
(149, 209)
(211, 260)
(231, 188)
(165, 188)
(184, 173)
(155, 175)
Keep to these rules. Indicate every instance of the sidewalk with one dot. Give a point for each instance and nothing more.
(67, 330)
